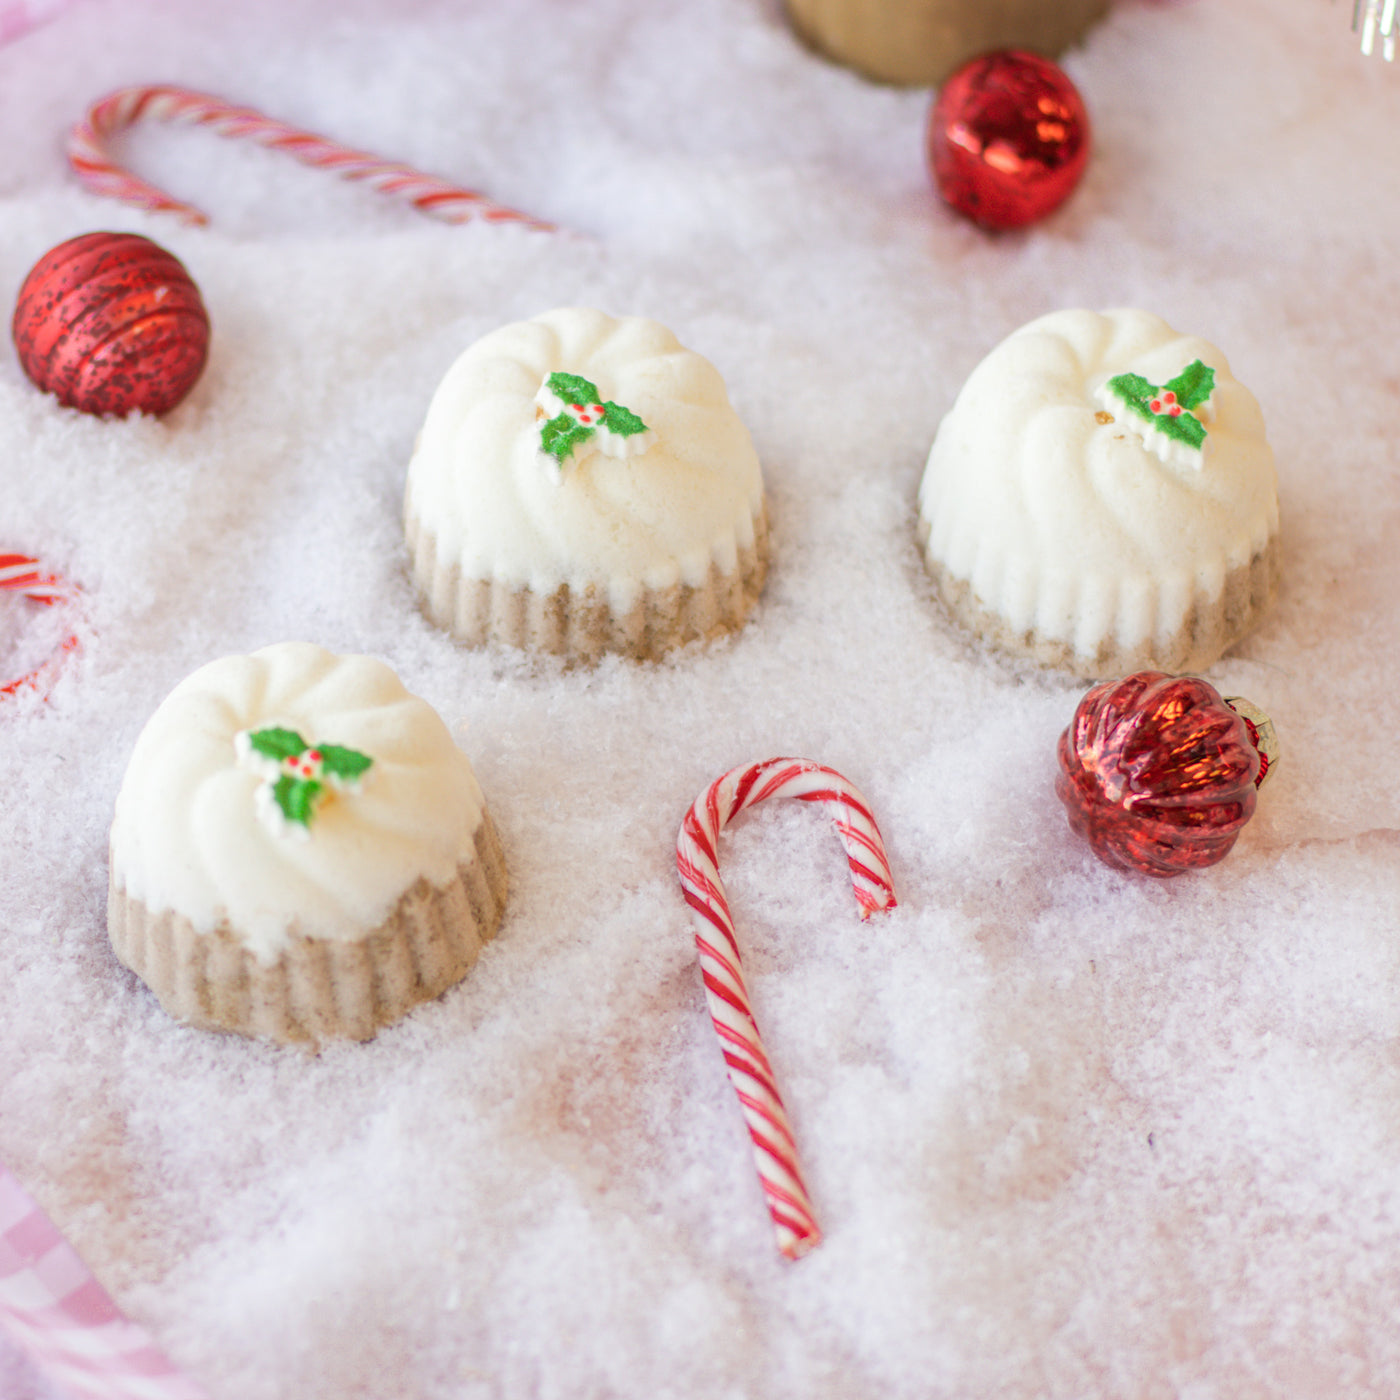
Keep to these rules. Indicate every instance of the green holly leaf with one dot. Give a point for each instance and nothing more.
(560, 435)
(1135, 391)
(1193, 385)
(621, 421)
(343, 763)
(1186, 428)
(296, 797)
(277, 744)
(572, 388)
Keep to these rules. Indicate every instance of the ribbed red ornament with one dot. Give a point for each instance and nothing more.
(111, 322)
(1008, 138)
(1158, 773)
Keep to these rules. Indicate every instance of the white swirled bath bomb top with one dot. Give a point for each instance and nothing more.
(1071, 517)
(624, 515)
(192, 833)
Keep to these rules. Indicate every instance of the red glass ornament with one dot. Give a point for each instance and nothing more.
(1159, 773)
(111, 322)
(1008, 138)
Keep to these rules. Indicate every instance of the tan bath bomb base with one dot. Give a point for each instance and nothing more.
(1209, 630)
(582, 485)
(300, 851)
(1101, 498)
(584, 625)
(318, 989)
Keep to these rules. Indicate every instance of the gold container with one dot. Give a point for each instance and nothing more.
(918, 43)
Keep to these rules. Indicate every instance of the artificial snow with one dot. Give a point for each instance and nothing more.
(1070, 1132)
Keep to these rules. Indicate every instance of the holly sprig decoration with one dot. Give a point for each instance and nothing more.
(582, 414)
(1168, 407)
(304, 772)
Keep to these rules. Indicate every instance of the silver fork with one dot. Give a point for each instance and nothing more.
(1379, 18)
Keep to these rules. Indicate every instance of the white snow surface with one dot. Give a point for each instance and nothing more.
(1070, 1132)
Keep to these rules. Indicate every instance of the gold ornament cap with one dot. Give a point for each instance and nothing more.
(1261, 732)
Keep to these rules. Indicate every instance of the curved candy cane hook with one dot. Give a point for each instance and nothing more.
(697, 862)
(21, 574)
(88, 155)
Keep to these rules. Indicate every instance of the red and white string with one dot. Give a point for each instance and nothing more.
(697, 861)
(23, 575)
(52, 1306)
(115, 113)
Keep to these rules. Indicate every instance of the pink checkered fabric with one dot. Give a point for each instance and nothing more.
(19, 16)
(66, 1321)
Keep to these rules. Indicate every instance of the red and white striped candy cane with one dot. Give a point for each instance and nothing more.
(21, 574)
(697, 861)
(53, 1307)
(88, 155)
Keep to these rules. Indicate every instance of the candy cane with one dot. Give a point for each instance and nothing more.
(54, 1308)
(697, 861)
(22, 575)
(88, 155)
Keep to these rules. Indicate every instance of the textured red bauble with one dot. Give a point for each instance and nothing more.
(1159, 773)
(111, 322)
(1008, 138)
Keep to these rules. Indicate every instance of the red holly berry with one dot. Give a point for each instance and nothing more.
(1158, 773)
(306, 764)
(586, 414)
(111, 322)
